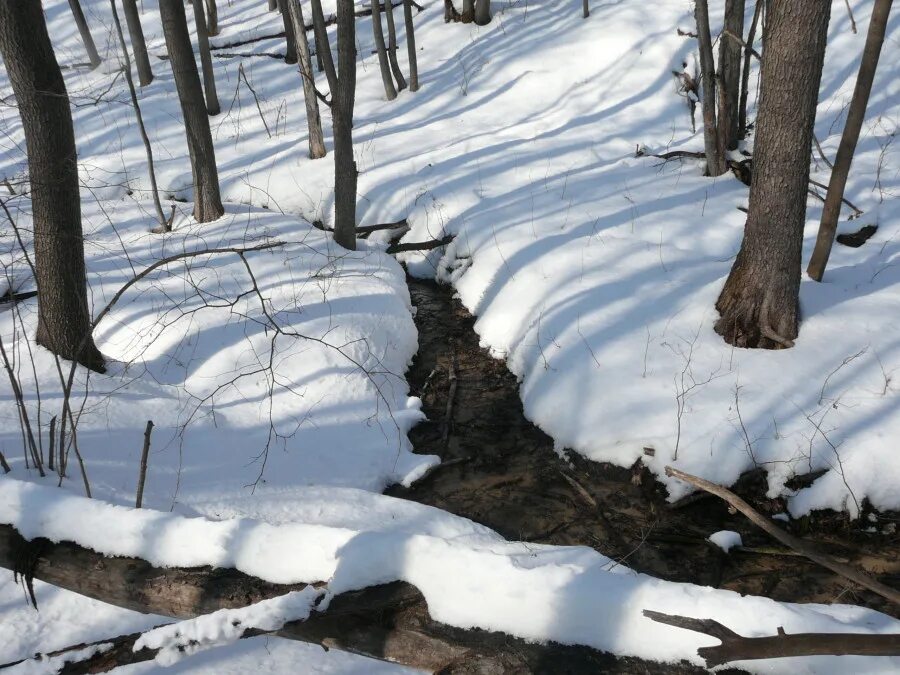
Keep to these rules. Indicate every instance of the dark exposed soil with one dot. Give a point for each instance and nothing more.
(502, 471)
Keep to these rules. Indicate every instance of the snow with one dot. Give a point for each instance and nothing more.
(726, 539)
(592, 272)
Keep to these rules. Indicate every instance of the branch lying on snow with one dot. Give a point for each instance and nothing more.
(420, 245)
(786, 538)
(736, 647)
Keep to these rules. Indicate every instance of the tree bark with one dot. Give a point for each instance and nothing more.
(343, 99)
(844, 158)
(212, 18)
(207, 202)
(209, 76)
(138, 44)
(64, 324)
(482, 12)
(715, 158)
(730, 74)
(85, 32)
(378, 33)
(759, 305)
(314, 120)
(323, 45)
(745, 75)
(392, 45)
(290, 35)
(468, 12)
(585, 9)
(411, 46)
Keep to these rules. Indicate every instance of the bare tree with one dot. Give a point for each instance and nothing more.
(411, 46)
(730, 73)
(343, 93)
(585, 9)
(290, 38)
(389, 90)
(138, 44)
(64, 323)
(323, 46)
(715, 155)
(482, 12)
(392, 45)
(314, 121)
(844, 158)
(212, 18)
(209, 77)
(745, 74)
(85, 32)
(207, 202)
(759, 305)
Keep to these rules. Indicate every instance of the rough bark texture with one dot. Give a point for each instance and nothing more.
(844, 158)
(378, 35)
(745, 74)
(482, 12)
(138, 44)
(343, 99)
(730, 73)
(411, 46)
(290, 35)
(392, 46)
(209, 76)
(85, 32)
(207, 202)
(314, 120)
(759, 305)
(64, 324)
(715, 159)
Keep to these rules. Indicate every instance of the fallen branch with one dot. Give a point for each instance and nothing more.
(420, 245)
(857, 212)
(801, 546)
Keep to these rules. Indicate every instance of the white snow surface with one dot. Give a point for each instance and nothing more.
(592, 272)
(726, 539)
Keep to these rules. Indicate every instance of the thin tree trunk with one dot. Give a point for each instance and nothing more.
(209, 77)
(392, 45)
(212, 18)
(160, 216)
(64, 324)
(411, 46)
(138, 44)
(759, 305)
(343, 99)
(844, 158)
(323, 45)
(314, 121)
(730, 74)
(207, 202)
(290, 36)
(745, 76)
(85, 32)
(715, 160)
(273, 5)
(482, 12)
(585, 9)
(389, 91)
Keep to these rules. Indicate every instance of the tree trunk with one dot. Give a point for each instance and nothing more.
(482, 12)
(389, 91)
(138, 44)
(209, 77)
(207, 202)
(343, 99)
(64, 323)
(844, 158)
(81, 22)
(759, 305)
(585, 9)
(730, 73)
(273, 5)
(314, 121)
(715, 158)
(323, 45)
(212, 18)
(468, 13)
(392, 45)
(411, 46)
(290, 54)
(745, 75)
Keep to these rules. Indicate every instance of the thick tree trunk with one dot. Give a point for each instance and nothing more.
(411, 46)
(378, 33)
(209, 76)
(730, 73)
(343, 99)
(482, 12)
(392, 45)
(64, 323)
(745, 75)
(207, 202)
(85, 32)
(314, 121)
(212, 18)
(468, 12)
(844, 158)
(715, 158)
(290, 36)
(759, 305)
(138, 44)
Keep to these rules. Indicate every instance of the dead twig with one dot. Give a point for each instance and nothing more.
(142, 476)
(451, 396)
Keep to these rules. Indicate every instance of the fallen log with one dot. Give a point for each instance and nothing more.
(388, 622)
(420, 245)
(736, 647)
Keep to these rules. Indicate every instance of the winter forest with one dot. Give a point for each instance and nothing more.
(449, 336)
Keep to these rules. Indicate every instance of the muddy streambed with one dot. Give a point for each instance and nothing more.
(500, 470)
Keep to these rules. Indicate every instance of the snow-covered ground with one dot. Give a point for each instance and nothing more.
(592, 271)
